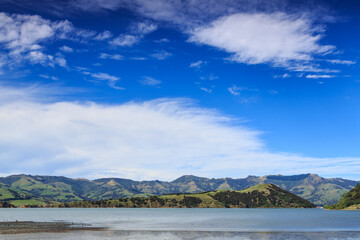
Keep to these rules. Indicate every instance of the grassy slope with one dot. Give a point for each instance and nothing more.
(5, 194)
(313, 188)
(349, 201)
(353, 207)
(56, 192)
(260, 196)
(30, 202)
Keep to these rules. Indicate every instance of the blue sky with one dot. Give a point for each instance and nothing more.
(155, 90)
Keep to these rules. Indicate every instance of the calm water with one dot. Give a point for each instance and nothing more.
(195, 223)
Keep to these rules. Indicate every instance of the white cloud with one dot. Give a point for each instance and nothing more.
(24, 38)
(149, 81)
(298, 32)
(161, 55)
(159, 139)
(275, 38)
(306, 67)
(235, 90)
(111, 56)
(113, 85)
(60, 60)
(49, 77)
(143, 28)
(66, 49)
(197, 64)
(285, 75)
(244, 94)
(338, 61)
(103, 36)
(319, 76)
(23, 32)
(138, 30)
(139, 58)
(111, 80)
(162, 40)
(208, 90)
(105, 76)
(125, 40)
(210, 77)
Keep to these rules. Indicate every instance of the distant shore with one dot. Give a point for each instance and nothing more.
(17, 227)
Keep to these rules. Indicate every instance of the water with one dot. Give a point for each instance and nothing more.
(194, 223)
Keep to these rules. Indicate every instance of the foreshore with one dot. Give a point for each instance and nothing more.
(17, 227)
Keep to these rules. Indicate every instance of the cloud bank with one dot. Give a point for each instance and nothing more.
(159, 139)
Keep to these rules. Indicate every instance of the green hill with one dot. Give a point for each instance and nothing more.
(20, 189)
(350, 200)
(259, 196)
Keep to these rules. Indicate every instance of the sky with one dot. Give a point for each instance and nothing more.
(158, 89)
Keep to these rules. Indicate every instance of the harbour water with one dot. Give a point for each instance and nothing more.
(194, 223)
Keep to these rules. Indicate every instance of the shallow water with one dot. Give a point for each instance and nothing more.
(195, 223)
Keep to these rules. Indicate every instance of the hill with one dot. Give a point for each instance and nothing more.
(259, 196)
(28, 189)
(350, 200)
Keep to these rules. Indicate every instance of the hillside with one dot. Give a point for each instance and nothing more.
(350, 200)
(28, 189)
(259, 196)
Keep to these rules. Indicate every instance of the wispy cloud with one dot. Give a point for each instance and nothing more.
(235, 90)
(162, 40)
(49, 77)
(285, 75)
(197, 64)
(310, 67)
(138, 31)
(125, 40)
(139, 58)
(244, 94)
(338, 61)
(111, 80)
(104, 76)
(161, 55)
(210, 77)
(149, 81)
(103, 36)
(143, 28)
(111, 56)
(140, 140)
(319, 76)
(66, 49)
(208, 90)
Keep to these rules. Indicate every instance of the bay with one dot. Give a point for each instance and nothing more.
(210, 223)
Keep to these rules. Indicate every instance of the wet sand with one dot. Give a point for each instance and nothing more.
(18, 227)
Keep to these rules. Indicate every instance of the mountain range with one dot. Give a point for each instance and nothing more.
(28, 189)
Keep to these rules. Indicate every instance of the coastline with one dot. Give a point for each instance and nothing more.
(18, 227)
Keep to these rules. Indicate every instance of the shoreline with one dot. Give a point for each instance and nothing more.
(18, 227)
